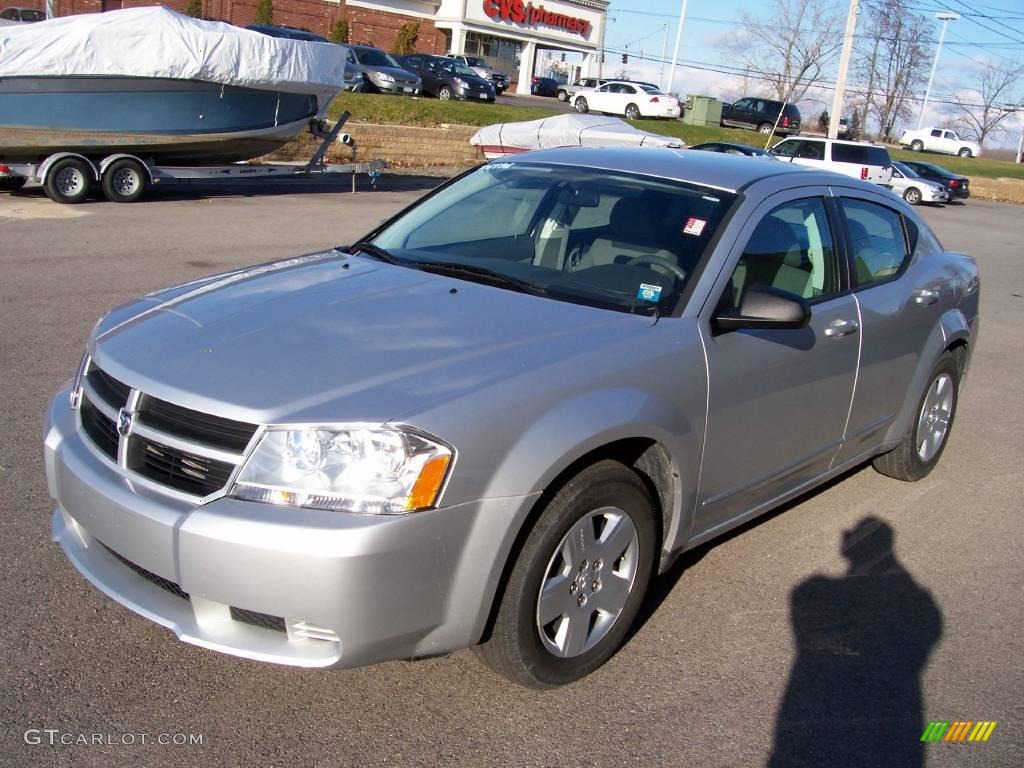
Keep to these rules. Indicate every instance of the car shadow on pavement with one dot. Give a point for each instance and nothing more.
(862, 640)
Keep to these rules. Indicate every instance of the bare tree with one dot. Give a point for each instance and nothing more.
(982, 110)
(791, 45)
(895, 50)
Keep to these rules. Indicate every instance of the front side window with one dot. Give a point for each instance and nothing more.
(591, 236)
(791, 249)
(786, 148)
(811, 150)
(877, 240)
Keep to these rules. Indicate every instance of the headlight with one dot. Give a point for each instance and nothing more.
(386, 77)
(372, 470)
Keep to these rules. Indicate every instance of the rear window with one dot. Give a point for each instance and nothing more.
(791, 112)
(860, 154)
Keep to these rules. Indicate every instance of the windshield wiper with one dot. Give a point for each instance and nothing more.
(487, 275)
(374, 252)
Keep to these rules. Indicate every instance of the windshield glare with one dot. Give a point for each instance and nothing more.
(585, 235)
(458, 68)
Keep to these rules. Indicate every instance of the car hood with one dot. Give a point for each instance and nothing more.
(328, 337)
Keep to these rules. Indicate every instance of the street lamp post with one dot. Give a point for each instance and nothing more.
(945, 18)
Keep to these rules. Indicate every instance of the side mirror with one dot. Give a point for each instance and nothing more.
(765, 307)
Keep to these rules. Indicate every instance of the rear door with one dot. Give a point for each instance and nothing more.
(900, 301)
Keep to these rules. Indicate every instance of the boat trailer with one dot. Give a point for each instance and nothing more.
(68, 177)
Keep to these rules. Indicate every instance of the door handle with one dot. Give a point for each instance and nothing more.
(925, 296)
(841, 328)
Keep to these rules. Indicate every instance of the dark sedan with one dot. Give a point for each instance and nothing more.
(544, 86)
(728, 148)
(448, 78)
(957, 186)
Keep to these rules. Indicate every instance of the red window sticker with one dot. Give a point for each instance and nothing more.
(694, 226)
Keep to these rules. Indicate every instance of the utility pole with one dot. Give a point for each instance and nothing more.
(664, 53)
(844, 65)
(1020, 146)
(945, 18)
(675, 52)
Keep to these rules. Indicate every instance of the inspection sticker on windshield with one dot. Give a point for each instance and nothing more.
(649, 292)
(694, 226)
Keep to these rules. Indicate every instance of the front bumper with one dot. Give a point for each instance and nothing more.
(406, 89)
(290, 586)
(462, 92)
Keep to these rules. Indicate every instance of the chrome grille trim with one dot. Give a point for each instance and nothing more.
(179, 459)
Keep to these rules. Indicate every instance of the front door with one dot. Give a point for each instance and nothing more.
(778, 399)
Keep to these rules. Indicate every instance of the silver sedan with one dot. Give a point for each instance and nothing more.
(493, 420)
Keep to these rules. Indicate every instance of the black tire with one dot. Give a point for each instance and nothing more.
(912, 195)
(906, 461)
(964, 152)
(68, 181)
(917, 145)
(444, 93)
(581, 106)
(124, 181)
(562, 95)
(632, 112)
(765, 129)
(12, 183)
(519, 648)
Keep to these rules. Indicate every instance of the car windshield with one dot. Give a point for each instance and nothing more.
(937, 170)
(583, 235)
(653, 91)
(474, 61)
(375, 58)
(458, 68)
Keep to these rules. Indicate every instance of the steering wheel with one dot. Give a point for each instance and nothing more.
(661, 261)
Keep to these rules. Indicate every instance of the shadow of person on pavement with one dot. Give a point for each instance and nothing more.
(862, 640)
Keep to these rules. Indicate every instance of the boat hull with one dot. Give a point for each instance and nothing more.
(166, 121)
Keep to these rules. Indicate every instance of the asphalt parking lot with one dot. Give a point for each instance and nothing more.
(699, 684)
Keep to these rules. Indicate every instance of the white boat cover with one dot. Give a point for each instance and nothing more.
(570, 130)
(157, 42)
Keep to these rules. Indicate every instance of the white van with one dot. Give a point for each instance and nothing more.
(859, 159)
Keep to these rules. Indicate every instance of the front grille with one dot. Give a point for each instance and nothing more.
(257, 619)
(110, 390)
(193, 425)
(160, 581)
(189, 468)
(179, 469)
(101, 430)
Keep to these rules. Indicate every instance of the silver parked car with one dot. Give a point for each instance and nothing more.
(914, 188)
(382, 73)
(476, 429)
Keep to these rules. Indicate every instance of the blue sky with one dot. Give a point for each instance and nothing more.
(989, 30)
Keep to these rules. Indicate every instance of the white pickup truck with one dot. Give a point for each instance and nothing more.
(940, 140)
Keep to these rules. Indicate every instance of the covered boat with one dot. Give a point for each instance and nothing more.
(571, 130)
(160, 85)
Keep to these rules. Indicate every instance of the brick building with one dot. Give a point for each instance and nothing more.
(509, 34)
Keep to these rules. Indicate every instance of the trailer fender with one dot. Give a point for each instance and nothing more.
(106, 161)
(47, 164)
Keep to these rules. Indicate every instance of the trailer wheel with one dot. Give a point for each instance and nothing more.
(12, 183)
(68, 181)
(124, 181)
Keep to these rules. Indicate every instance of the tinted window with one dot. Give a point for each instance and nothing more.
(849, 153)
(786, 148)
(877, 241)
(812, 150)
(791, 249)
(937, 133)
(8, 13)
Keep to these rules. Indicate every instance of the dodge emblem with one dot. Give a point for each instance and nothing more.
(125, 420)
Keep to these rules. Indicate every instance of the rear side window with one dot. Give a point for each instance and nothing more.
(877, 241)
(850, 153)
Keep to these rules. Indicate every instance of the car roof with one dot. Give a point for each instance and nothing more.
(712, 169)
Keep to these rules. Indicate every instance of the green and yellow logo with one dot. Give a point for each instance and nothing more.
(958, 730)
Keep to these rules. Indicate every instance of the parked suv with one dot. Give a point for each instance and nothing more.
(382, 73)
(567, 90)
(760, 115)
(448, 79)
(850, 158)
